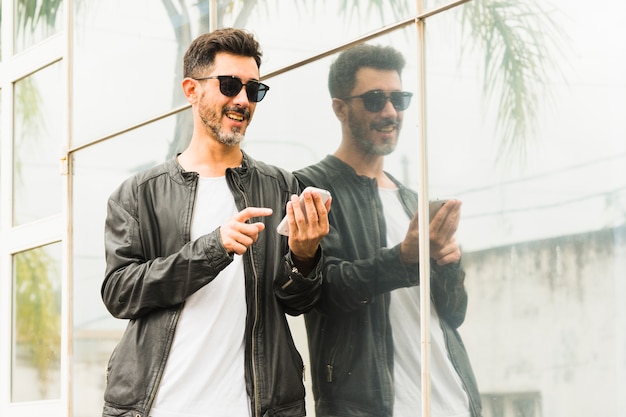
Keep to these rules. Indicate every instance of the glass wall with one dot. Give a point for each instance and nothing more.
(523, 122)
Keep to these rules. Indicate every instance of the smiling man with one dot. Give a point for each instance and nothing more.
(190, 264)
(364, 334)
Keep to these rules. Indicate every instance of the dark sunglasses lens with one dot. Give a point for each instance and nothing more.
(230, 87)
(400, 100)
(256, 91)
(260, 90)
(374, 101)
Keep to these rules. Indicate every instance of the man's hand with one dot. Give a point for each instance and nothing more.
(443, 246)
(237, 235)
(307, 228)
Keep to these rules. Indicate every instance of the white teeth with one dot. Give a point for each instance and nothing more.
(236, 117)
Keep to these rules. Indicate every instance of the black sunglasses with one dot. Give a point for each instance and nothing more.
(374, 101)
(231, 85)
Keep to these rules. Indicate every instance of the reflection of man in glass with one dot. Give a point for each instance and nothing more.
(371, 285)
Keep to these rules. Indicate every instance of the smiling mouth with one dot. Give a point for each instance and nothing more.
(237, 114)
(385, 126)
(386, 129)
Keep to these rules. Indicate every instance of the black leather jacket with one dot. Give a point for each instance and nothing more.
(152, 267)
(349, 331)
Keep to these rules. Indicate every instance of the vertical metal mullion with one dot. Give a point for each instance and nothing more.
(424, 244)
(68, 249)
(6, 211)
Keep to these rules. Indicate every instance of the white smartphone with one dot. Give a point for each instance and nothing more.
(283, 227)
(434, 206)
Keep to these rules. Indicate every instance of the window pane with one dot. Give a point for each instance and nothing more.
(148, 41)
(38, 137)
(36, 324)
(290, 31)
(98, 171)
(543, 227)
(130, 71)
(35, 21)
(310, 130)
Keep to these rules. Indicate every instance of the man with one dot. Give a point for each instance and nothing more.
(359, 366)
(190, 264)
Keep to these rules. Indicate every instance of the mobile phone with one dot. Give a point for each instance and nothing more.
(283, 227)
(434, 206)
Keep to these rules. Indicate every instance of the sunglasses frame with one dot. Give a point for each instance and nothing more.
(255, 97)
(400, 100)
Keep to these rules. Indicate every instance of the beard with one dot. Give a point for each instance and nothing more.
(363, 132)
(211, 120)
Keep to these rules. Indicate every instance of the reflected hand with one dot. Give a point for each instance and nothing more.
(443, 246)
(237, 235)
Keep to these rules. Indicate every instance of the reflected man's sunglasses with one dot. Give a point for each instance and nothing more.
(231, 85)
(374, 101)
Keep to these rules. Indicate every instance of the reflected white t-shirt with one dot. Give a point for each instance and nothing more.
(448, 398)
(204, 374)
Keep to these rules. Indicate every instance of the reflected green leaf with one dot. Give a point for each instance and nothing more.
(37, 315)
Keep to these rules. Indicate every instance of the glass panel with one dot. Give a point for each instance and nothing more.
(148, 48)
(36, 341)
(306, 24)
(310, 131)
(38, 137)
(136, 62)
(538, 217)
(98, 171)
(35, 21)
(307, 135)
(543, 226)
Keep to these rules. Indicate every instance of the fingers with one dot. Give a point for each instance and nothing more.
(307, 227)
(443, 246)
(450, 253)
(409, 247)
(250, 212)
(237, 235)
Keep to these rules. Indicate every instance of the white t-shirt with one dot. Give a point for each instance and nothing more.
(204, 374)
(448, 398)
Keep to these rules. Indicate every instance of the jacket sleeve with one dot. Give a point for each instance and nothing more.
(349, 284)
(298, 293)
(448, 292)
(136, 282)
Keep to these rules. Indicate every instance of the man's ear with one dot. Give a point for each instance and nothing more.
(190, 89)
(340, 109)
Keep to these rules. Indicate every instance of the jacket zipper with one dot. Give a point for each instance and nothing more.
(257, 411)
(382, 306)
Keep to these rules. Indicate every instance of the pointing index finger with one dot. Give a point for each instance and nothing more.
(249, 212)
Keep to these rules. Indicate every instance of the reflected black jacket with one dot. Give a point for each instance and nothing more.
(349, 331)
(152, 267)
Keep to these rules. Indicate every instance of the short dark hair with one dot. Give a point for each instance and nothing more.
(342, 75)
(201, 53)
